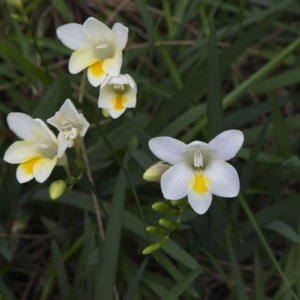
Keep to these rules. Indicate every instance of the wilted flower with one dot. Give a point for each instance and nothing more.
(117, 94)
(37, 154)
(96, 47)
(71, 124)
(199, 169)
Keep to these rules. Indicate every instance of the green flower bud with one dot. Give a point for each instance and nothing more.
(153, 230)
(179, 203)
(161, 207)
(105, 113)
(164, 208)
(56, 189)
(16, 17)
(154, 247)
(17, 3)
(155, 171)
(165, 223)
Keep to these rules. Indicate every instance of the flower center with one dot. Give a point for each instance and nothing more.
(198, 161)
(69, 129)
(119, 87)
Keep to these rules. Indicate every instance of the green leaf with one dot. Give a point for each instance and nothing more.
(135, 282)
(214, 94)
(61, 272)
(237, 276)
(62, 9)
(283, 229)
(259, 279)
(105, 277)
(23, 64)
(250, 166)
(182, 285)
(280, 131)
(58, 91)
(5, 292)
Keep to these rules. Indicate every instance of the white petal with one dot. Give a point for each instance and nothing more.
(226, 145)
(200, 203)
(19, 123)
(131, 82)
(23, 174)
(62, 160)
(121, 35)
(72, 37)
(95, 74)
(20, 152)
(43, 168)
(106, 97)
(167, 149)
(97, 31)
(85, 125)
(223, 179)
(116, 113)
(80, 60)
(130, 96)
(112, 66)
(177, 182)
(67, 111)
(62, 144)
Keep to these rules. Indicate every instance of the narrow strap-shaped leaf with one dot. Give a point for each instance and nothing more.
(60, 271)
(214, 94)
(237, 276)
(280, 131)
(58, 91)
(258, 279)
(105, 277)
(136, 280)
(182, 285)
(250, 166)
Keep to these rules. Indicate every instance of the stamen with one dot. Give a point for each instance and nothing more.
(102, 46)
(198, 159)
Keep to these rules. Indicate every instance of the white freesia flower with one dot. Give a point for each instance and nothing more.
(37, 154)
(71, 124)
(96, 47)
(199, 169)
(117, 94)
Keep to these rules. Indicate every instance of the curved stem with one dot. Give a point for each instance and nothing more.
(264, 242)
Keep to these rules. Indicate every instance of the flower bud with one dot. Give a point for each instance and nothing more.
(105, 113)
(17, 3)
(165, 223)
(17, 17)
(164, 208)
(161, 207)
(154, 247)
(179, 203)
(153, 230)
(154, 172)
(56, 189)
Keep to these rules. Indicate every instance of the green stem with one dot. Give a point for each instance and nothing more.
(67, 170)
(264, 242)
(266, 69)
(28, 24)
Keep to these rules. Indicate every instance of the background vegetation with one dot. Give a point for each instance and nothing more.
(202, 67)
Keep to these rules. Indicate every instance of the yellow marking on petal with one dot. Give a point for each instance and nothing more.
(119, 102)
(28, 165)
(201, 183)
(96, 69)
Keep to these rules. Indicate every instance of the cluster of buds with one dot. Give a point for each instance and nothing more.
(166, 225)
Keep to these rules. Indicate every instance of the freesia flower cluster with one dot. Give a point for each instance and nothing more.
(40, 150)
(99, 49)
(196, 170)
